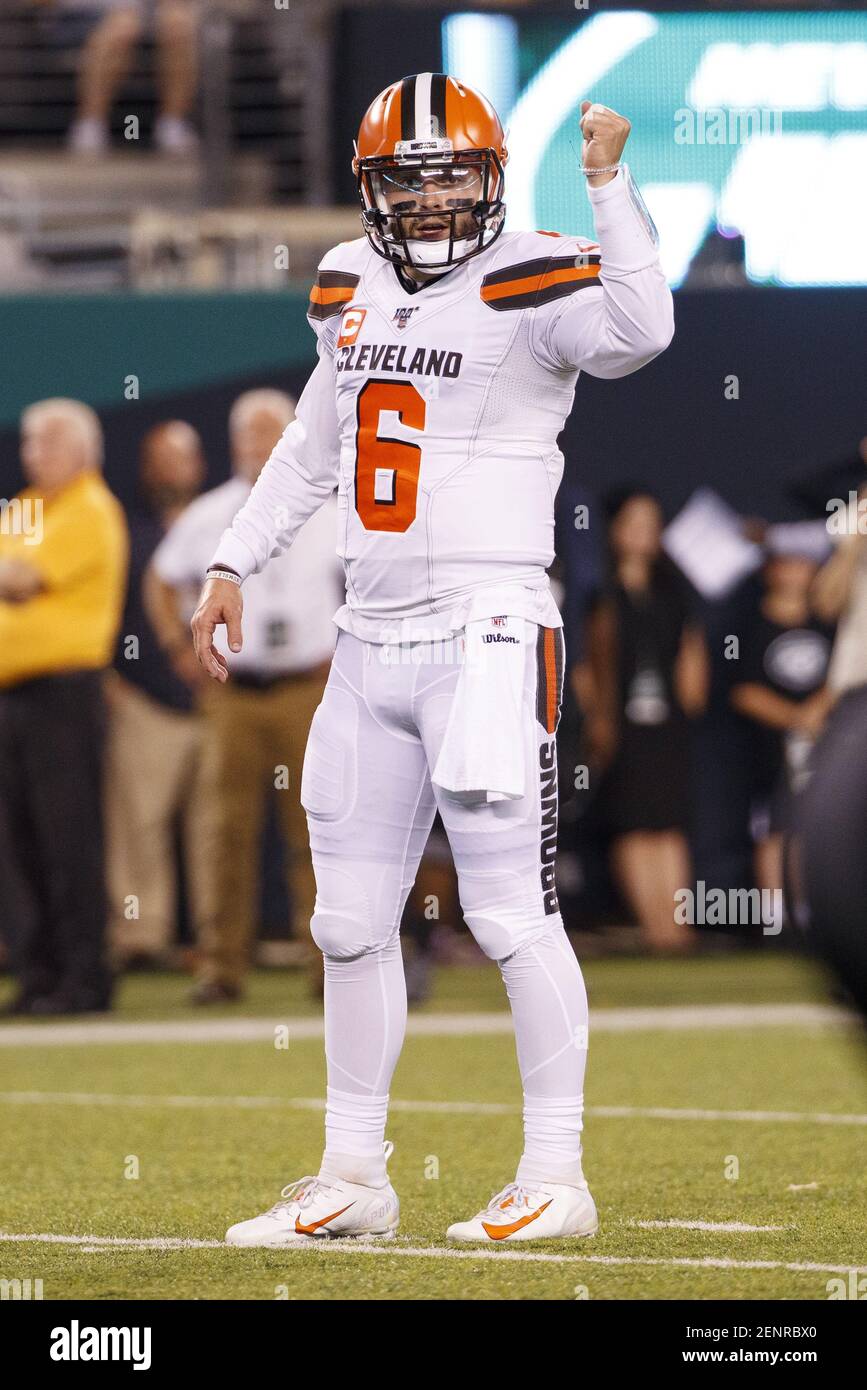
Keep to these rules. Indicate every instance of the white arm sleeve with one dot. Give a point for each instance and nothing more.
(614, 327)
(298, 478)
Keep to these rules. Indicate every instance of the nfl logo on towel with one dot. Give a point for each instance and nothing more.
(498, 622)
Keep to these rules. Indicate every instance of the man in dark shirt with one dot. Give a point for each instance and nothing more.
(154, 786)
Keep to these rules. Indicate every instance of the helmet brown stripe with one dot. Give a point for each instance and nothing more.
(407, 109)
(439, 83)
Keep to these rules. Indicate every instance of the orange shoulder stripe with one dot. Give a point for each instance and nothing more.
(532, 284)
(340, 295)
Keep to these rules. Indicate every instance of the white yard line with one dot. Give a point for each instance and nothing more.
(664, 1112)
(718, 1262)
(393, 1249)
(723, 1227)
(667, 1018)
(113, 1242)
(419, 1107)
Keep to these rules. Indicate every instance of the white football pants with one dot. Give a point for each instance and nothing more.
(370, 805)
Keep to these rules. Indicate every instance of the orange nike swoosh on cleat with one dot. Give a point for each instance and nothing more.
(315, 1225)
(500, 1232)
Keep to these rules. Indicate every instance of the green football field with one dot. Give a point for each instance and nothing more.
(724, 1143)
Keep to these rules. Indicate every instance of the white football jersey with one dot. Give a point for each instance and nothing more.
(436, 412)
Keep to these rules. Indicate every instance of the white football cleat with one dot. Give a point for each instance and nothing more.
(312, 1209)
(540, 1212)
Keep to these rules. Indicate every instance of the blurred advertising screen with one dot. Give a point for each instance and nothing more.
(746, 127)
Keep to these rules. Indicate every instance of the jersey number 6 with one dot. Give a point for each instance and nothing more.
(386, 470)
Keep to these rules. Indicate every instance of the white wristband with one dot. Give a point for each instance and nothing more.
(232, 577)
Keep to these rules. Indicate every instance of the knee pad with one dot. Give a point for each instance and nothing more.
(337, 937)
(342, 924)
(340, 936)
(503, 912)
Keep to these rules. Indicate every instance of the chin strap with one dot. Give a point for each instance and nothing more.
(433, 269)
(431, 272)
(413, 286)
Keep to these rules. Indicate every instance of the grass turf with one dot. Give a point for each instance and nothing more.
(199, 1168)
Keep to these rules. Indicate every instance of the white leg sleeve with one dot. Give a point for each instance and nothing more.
(549, 1009)
(504, 855)
(365, 1022)
(369, 808)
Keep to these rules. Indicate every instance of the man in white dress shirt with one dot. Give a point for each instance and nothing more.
(258, 724)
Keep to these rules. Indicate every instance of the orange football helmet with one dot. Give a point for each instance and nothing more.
(429, 160)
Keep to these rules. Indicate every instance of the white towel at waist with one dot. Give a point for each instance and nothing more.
(482, 753)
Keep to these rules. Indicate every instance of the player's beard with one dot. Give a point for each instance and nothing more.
(430, 255)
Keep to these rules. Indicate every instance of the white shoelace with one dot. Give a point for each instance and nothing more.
(520, 1197)
(305, 1190)
(302, 1192)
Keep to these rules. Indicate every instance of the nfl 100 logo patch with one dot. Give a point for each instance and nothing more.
(402, 316)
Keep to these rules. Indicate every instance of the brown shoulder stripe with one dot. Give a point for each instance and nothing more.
(332, 291)
(532, 283)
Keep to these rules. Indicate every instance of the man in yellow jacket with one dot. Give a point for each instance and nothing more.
(63, 558)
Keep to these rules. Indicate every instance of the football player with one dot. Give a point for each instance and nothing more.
(448, 352)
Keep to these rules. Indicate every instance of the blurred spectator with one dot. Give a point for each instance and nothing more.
(61, 592)
(154, 785)
(257, 723)
(840, 595)
(106, 58)
(781, 688)
(646, 676)
(580, 561)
